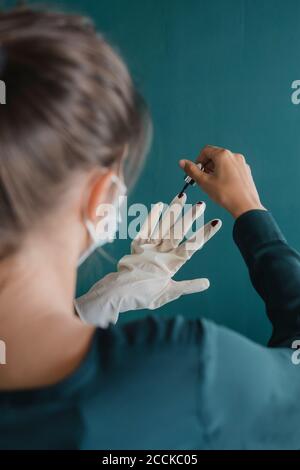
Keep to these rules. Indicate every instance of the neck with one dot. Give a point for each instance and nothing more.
(44, 340)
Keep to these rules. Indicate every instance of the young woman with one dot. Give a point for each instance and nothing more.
(72, 115)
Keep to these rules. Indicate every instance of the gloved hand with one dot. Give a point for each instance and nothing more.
(144, 278)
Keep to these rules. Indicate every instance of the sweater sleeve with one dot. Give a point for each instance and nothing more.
(274, 269)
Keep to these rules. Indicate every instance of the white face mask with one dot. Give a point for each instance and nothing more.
(112, 222)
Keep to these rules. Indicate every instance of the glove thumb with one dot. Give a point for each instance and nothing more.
(192, 286)
(178, 288)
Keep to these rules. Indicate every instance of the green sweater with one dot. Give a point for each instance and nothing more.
(177, 383)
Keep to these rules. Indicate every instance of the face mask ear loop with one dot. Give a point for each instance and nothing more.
(92, 231)
(87, 222)
(123, 190)
(119, 183)
(107, 256)
(88, 225)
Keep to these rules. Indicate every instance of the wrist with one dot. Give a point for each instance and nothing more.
(239, 210)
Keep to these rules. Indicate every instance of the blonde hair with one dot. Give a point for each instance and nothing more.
(70, 105)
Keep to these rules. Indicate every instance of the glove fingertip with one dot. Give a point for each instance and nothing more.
(211, 228)
(215, 224)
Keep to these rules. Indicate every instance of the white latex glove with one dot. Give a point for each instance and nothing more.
(144, 278)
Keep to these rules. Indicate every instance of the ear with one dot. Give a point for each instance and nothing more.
(98, 187)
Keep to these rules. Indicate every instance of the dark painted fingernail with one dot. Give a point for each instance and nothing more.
(199, 203)
(214, 223)
(180, 195)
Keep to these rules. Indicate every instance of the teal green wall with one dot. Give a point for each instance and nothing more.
(219, 72)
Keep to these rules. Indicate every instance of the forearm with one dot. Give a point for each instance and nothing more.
(274, 269)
